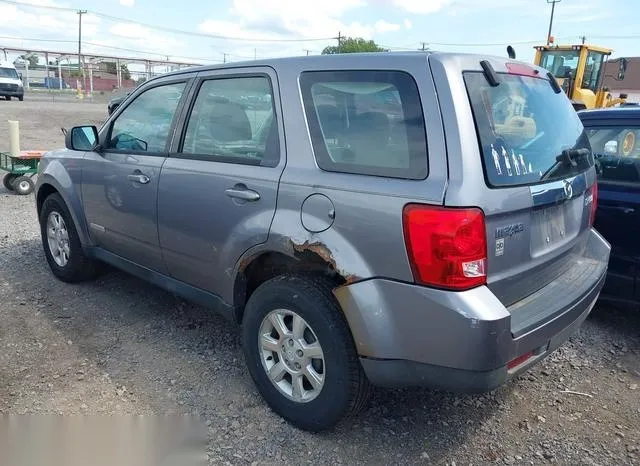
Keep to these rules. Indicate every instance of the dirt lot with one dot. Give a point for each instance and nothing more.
(118, 345)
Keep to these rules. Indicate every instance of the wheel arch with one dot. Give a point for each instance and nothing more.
(264, 262)
(48, 185)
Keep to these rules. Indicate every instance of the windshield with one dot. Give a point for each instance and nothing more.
(561, 63)
(523, 128)
(8, 73)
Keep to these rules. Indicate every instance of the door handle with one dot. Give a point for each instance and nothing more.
(244, 194)
(139, 178)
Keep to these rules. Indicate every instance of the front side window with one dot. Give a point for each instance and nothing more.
(144, 125)
(233, 120)
(523, 128)
(366, 122)
(617, 152)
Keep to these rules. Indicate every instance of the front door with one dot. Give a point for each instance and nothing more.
(616, 146)
(218, 189)
(120, 182)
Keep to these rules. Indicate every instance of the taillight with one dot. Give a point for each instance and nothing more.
(447, 247)
(594, 203)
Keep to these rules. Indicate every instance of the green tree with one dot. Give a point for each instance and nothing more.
(353, 45)
(111, 68)
(32, 59)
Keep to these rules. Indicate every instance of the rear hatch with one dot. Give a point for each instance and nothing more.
(538, 188)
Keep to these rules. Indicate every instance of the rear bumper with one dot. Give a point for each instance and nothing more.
(408, 335)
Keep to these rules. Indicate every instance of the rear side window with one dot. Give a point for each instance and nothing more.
(366, 122)
(617, 152)
(233, 121)
(523, 128)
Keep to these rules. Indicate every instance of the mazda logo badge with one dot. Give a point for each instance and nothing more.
(568, 189)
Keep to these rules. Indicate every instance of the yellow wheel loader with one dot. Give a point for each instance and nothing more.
(579, 70)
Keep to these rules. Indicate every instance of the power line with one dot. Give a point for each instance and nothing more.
(475, 44)
(109, 47)
(164, 28)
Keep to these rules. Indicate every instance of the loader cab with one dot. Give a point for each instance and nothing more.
(579, 69)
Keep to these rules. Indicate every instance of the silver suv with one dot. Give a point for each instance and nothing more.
(379, 219)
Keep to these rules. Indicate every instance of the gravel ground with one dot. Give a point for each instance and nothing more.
(118, 345)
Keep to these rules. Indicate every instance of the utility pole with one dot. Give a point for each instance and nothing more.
(553, 7)
(224, 58)
(423, 46)
(584, 39)
(307, 50)
(80, 13)
(339, 42)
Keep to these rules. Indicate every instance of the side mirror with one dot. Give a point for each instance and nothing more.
(622, 68)
(611, 148)
(82, 138)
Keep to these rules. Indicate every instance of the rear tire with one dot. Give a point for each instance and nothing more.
(323, 352)
(21, 98)
(7, 97)
(23, 185)
(61, 243)
(7, 181)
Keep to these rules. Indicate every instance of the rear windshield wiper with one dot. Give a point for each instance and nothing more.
(569, 156)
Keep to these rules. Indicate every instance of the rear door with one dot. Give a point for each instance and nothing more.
(616, 146)
(218, 187)
(504, 156)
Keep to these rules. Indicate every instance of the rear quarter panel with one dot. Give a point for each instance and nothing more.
(366, 237)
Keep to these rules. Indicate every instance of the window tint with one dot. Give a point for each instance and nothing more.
(233, 120)
(523, 128)
(617, 152)
(366, 122)
(144, 124)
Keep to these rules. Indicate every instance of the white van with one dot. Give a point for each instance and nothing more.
(10, 82)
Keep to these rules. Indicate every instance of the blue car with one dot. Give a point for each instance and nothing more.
(614, 135)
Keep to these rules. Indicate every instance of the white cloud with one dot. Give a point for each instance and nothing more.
(407, 23)
(422, 7)
(127, 2)
(280, 19)
(130, 30)
(384, 26)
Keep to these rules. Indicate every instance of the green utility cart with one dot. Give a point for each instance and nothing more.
(21, 170)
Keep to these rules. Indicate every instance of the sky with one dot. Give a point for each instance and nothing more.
(236, 30)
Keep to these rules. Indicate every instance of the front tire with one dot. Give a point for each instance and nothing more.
(301, 354)
(62, 247)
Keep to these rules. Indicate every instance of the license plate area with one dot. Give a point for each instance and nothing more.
(549, 227)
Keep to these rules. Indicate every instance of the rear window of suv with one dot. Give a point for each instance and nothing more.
(523, 127)
(366, 122)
